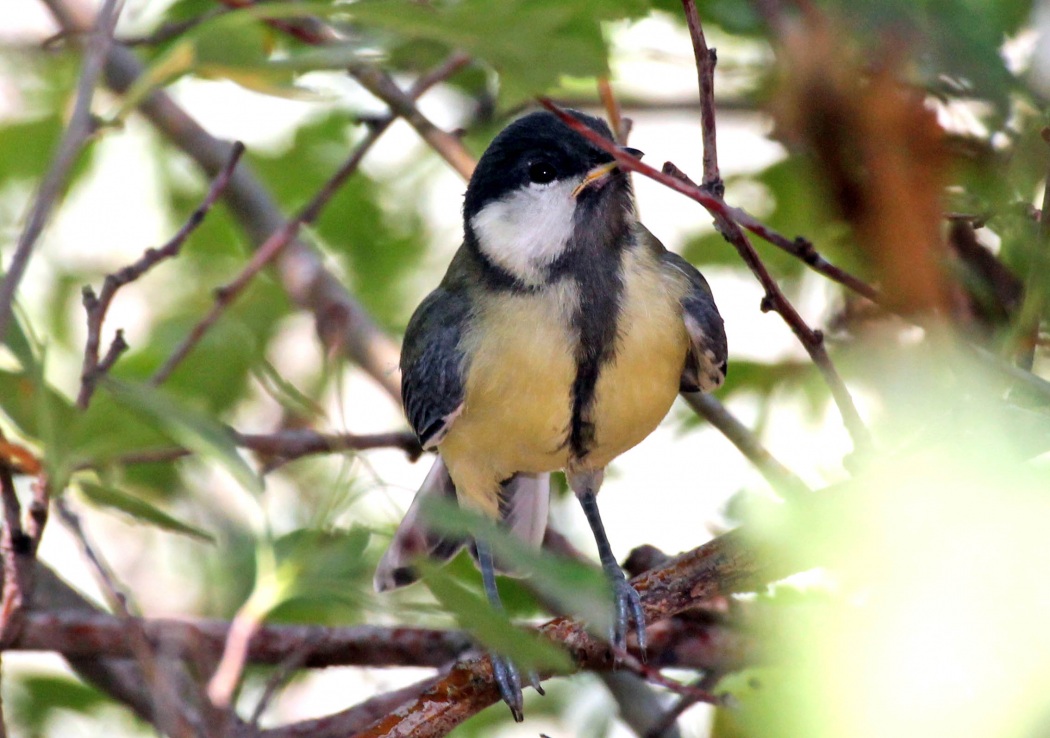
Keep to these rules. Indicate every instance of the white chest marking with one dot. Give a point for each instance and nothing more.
(526, 230)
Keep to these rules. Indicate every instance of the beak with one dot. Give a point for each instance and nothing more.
(602, 171)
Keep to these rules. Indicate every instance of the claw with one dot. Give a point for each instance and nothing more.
(509, 682)
(628, 607)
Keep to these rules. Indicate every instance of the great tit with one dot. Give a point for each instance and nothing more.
(558, 339)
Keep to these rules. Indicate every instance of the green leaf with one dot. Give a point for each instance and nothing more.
(196, 431)
(574, 587)
(323, 575)
(139, 509)
(527, 650)
(530, 43)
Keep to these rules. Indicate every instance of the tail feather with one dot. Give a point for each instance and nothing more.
(413, 539)
(524, 502)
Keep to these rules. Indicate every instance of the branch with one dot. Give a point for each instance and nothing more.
(780, 478)
(728, 223)
(96, 307)
(722, 566)
(168, 710)
(283, 236)
(811, 340)
(342, 324)
(382, 86)
(92, 634)
(705, 75)
(17, 551)
(798, 247)
(77, 132)
(283, 446)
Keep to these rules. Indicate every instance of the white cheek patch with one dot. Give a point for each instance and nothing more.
(526, 230)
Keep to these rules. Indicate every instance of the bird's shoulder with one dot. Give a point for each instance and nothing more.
(706, 365)
(433, 360)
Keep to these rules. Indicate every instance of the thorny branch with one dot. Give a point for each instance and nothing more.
(97, 306)
(77, 132)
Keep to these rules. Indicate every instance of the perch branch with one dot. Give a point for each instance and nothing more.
(724, 565)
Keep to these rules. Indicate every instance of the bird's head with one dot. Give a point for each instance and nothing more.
(542, 191)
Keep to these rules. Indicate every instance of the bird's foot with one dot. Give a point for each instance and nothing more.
(628, 607)
(508, 680)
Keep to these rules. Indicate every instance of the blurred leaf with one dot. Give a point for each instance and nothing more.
(379, 242)
(19, 344)
(287, 394)
(139, 509)
(189, 428)
(324, 574)
(575, 588)
(39, 696)
(531, 43)
(492, 629)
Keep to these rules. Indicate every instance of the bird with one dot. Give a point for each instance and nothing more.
(558, 339)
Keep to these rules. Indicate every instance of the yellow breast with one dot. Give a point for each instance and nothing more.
(517, 409)
(518, 401)
(636, 389)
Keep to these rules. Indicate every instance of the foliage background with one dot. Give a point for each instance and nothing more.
(927, 618)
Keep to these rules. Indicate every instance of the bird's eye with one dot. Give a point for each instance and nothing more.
(541, 173)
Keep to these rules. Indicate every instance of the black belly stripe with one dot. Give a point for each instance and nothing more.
(596, 265)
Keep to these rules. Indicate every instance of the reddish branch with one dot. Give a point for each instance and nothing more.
(95, 634)
(730, 222)
(96, 307)
(722, 566)
(798, 247)
(705, 75)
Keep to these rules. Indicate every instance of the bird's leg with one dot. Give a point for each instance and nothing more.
(628, 603)
(503, 670)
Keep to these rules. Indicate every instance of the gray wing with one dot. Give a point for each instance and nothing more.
(433, 364)
(705, 366)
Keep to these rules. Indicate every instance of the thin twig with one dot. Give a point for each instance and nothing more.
(380, 84)
(798, 247)
(728, 221)
(1035, 283)
(284, 445)
(705, 75)
(775, 300)
(167, 704)
(782, 479)
(621, 127)
(280, 676)
(16, 549)
(96, 307)
(77, 132)
(269, 250)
